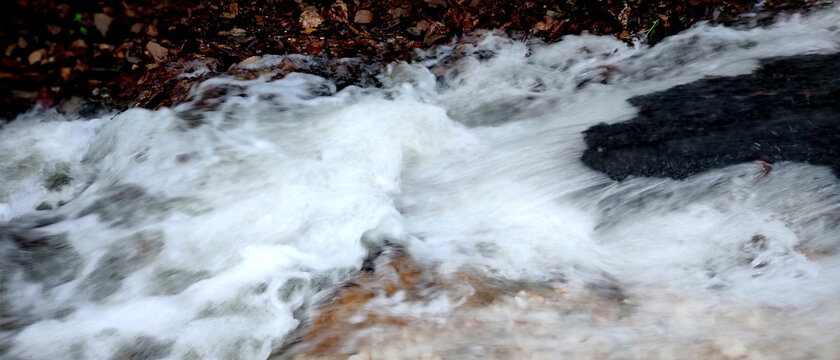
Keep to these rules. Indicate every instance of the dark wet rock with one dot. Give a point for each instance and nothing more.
(58, 178)
(127, 256)
(33, 221)
(788, 110)
(125, 205)
(44, 206)
(45, 258)
(144, 348)
(174, 281)
(34, 257)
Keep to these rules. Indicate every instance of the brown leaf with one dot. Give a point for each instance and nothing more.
(437, 3)
(36, 56)
(151, 30)
(78, 44)
(339, 11)
(128, 10)
(66, 72)
(419, 29)
(363, 17)
(158, 52)
(102, 22)
(54, 29)
(232, 13)
(310, 18)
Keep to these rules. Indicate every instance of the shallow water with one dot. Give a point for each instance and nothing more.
(209, 231)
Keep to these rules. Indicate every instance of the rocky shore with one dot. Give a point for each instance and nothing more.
(82, 56)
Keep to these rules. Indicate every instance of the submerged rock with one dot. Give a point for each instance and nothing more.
(785, 111)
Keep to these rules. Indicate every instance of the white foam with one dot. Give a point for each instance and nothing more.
(201, 230)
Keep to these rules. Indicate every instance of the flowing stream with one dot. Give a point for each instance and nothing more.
(210, 230)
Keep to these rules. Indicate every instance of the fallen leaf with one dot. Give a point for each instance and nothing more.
(419, 29)
(151, 30)
(339, 10)
(137, 28)
(437, 3)
(66, 72)
(128, 11)
(234, 11)
(102, 22)
(624, 34)
(158, 52)
(363, 17)
(624, 16)
(54, 29)
(310, 18)
(36, 56)
(78, 44)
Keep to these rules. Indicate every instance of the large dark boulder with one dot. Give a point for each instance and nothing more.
(789, 109)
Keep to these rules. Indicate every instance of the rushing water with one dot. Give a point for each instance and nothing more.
(208, 230)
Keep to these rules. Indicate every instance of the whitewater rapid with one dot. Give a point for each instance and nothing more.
(208, 230)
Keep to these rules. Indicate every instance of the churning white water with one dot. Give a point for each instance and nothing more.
(206, 231)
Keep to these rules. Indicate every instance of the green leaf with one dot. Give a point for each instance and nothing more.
(83, 30)
(72, 32)
(78, 17)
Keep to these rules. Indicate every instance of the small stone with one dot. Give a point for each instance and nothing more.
(43, 206)
(71, 106)
(310, 18)
(102, 22)
(158, 52)
(363, 17)
(36, 56)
